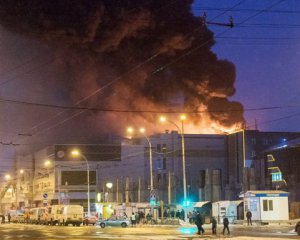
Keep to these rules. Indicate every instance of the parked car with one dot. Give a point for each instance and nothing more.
(114, 221)
(297, 228)
(92, 219)
(20, 218)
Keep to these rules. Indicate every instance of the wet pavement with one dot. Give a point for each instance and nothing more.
(36, 232)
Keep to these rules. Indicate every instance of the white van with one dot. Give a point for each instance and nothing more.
(34, 215)
(54, 213)
(43, 215)
(71, 214)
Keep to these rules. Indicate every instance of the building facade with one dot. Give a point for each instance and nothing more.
(218, 167)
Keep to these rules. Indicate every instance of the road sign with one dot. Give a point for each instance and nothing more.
(45, 195)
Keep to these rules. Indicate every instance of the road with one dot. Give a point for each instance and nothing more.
(36, 232)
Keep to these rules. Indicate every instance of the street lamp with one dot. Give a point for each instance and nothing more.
(108, 185)
(181, 132)
(142, 131)
(77, 153)
(47, 163)
(7, 176)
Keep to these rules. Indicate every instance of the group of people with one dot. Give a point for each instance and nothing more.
(3, 218)
(199, 224)
(139, 217)
(170, 213)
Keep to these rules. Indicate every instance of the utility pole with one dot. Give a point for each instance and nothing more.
(169, 189)
(205, 22)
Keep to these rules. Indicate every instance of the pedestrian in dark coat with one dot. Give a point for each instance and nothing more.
(177, 214)
(214, 225)
(249, 217)
(8, 217)
(172, 213)
(3, 219)
(226, 225)
(182, 215)
(199, 223)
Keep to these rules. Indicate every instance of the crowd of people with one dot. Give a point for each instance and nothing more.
(2, 218)
(140, 218)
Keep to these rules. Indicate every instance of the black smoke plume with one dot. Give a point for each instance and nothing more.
(120, 46)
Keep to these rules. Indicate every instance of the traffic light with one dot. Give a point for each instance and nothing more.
(152, 202)
(186, 203)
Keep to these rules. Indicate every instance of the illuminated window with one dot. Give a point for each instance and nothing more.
(276, 176)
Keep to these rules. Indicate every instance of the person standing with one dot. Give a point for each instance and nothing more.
(149, 218)
(178, 214)
(199, 223)
(133, 220)
(249, 217)
(8, 217)
(190, 216)
(226, 225)
(214, 226)
(182, 215)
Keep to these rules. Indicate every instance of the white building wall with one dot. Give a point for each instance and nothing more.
(280, 209)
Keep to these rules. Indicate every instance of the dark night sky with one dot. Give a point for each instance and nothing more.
(266, 51)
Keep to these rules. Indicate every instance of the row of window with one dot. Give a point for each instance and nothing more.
(266, 141)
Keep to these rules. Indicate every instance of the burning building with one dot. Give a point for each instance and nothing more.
(130, 60)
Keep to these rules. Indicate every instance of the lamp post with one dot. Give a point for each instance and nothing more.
(108, 185)
(142, 131)
(77, 153)
(181, 132)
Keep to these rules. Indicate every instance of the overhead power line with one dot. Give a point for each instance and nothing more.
(96, 109)
(246, 10)
(138, 66)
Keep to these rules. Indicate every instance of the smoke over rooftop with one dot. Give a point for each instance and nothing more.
(118, 48)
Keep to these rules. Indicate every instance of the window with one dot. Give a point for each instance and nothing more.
(253, 140)
(158, 179)
(276, 176)
(270, 205)
(267, 141)
(253, 153)
(158, 147)
(164, 163)
(267, 205)
(159, 163)
(78, 177)
(202, 178)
